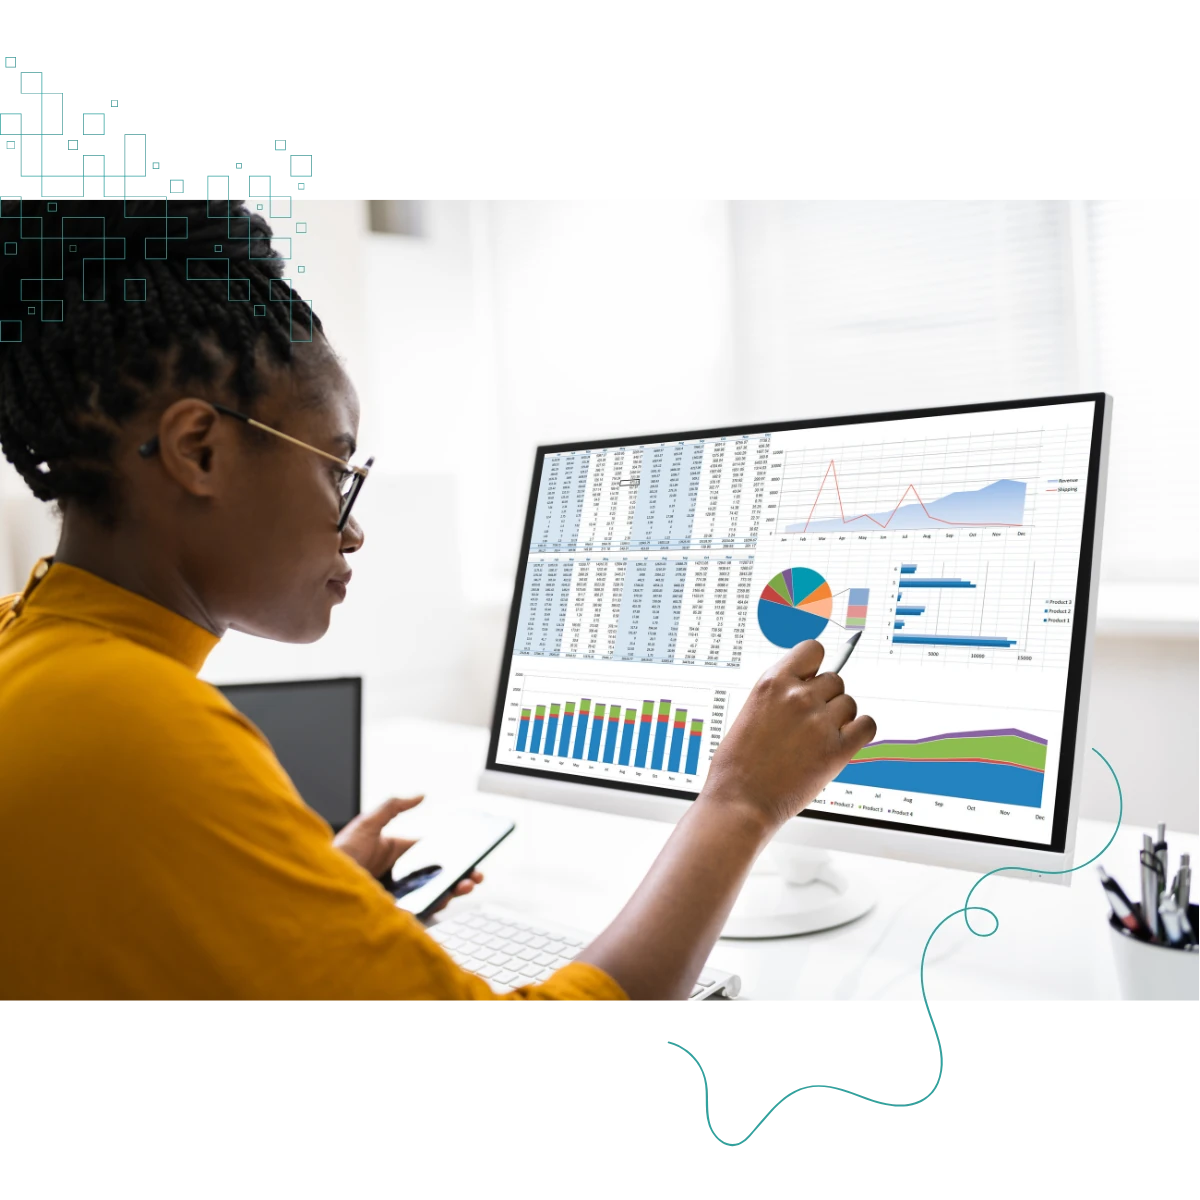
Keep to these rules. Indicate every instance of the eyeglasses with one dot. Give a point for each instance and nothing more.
(349, 483)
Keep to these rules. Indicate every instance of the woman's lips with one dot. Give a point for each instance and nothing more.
(339, 584)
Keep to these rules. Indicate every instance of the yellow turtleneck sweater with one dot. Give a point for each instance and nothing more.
(152, 846)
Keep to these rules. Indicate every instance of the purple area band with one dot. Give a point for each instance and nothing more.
(937, 737)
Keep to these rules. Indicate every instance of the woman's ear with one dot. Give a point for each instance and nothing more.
(191, 444)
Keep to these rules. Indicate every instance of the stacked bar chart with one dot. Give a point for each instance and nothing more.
(659, 735)
(916, 606)
(996, 766)
(856, 608)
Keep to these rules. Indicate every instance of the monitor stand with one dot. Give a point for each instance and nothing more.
(795, 889)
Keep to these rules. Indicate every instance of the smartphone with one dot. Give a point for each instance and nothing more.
(429, 871)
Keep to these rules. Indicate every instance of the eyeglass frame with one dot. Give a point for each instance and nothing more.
(147, 448)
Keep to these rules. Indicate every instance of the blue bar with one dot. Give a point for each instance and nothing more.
(626, 741)
(897, 624)
(920, 639)
(693, 754)
(910, 611)
(938, 583)
(564, 741)
(908, 569)
(677, 735)
(580, 733)
(522, 733)
(538, 723)
(643, 742)
(660, 739)
(551, 730)
(597, 733)
(614, 724)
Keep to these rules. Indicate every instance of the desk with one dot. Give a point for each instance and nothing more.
(578, 867)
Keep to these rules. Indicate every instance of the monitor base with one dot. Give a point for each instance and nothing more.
(796, 890)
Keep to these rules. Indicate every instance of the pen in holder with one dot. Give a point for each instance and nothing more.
(1152, 970)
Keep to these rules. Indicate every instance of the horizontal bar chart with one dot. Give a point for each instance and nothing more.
(933, 639)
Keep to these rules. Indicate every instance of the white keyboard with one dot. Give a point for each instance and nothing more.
(509, 952)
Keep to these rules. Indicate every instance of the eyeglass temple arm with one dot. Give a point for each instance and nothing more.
(149, 447)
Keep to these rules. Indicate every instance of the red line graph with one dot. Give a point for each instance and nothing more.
(832, 468)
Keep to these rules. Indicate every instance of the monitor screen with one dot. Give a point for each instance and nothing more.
(659, 578)
(315, 728)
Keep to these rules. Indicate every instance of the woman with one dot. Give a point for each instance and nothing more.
(151, 843)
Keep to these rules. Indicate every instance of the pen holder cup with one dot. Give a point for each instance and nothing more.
(1149, 971)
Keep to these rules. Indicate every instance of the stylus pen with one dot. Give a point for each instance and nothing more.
(842, 656)
(1160, 852)
(1149, 865)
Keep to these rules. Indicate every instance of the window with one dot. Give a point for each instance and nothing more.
(843, 306)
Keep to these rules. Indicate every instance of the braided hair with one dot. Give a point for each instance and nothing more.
(102, 302)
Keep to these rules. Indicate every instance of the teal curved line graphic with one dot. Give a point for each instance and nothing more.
(964, 912)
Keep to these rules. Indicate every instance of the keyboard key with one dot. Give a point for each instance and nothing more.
(527, 954)
(538, 943)
(544, 960)
(707, 979)
(471, 964)
(505, 978)
(554, 948)
(489, 972)
(695, 992)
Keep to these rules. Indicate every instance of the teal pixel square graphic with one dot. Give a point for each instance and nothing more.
(301, 164)
(300, 186)
(177, 185)
(135, 290)
(10, 145)
(113, 103)
(300, 269)
(10, 62)
(217, 248)
(238, 165)
(10, 123)
(280, 144)
(154, 166)
(72, 144)
(72, 248)
(10, 247)
(301, 226)
(260, 310)
(33, 89)
(31, 309)
(10, 331)
(93, 124)
(280, 207)
(260, 185)
(52, 207)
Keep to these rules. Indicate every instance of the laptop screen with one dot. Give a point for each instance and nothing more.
(314, 727)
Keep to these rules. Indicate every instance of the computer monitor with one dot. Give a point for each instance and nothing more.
(315, 728)
(660, 576)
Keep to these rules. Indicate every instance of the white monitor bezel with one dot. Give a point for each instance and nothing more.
(827, 831)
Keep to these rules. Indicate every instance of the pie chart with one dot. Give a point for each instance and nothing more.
(794, 606)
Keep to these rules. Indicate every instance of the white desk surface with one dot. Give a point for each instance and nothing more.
(577, 867)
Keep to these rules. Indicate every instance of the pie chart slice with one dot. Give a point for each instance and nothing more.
(794, 606)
